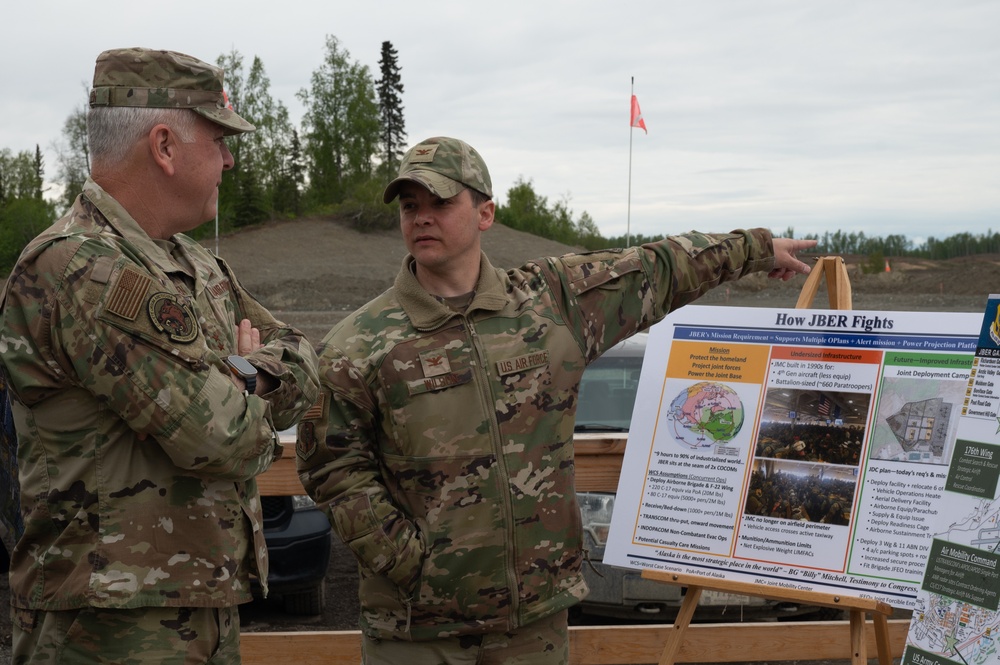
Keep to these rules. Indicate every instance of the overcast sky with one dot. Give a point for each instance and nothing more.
(878, 116)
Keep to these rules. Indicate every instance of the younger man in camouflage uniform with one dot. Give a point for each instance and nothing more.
(138, 446)
(443, 445)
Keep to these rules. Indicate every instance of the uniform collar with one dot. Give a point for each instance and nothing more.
(126, 226)
(427, 312)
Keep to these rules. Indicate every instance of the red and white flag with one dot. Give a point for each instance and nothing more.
(636, 117)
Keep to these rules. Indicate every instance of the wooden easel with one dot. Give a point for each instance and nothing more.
(838, 285)
(839, 288)
(857, 607)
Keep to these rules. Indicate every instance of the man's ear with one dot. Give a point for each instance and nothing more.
(486, 212)
(163, 147)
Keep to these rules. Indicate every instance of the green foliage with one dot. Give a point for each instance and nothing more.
(390, 105)
(587, 233)
(21, 219)
(73, 157)
(290, 180)
(526, 211)
(24, 213)
(874, 264)
(252, 206)
(961, 244)
(340, 126)
(20, 175)
(232, 63)
(258, 186)
(366, 210)
(38, 173)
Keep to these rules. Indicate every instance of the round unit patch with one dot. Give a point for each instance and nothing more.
(172, 317)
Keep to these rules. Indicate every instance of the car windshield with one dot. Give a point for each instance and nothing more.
(607, 393)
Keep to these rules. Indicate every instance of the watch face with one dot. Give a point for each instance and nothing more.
(242, 367)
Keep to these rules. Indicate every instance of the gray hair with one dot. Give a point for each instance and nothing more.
(113, 130)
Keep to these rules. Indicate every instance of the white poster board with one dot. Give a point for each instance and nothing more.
(955, 616)
(803, 449)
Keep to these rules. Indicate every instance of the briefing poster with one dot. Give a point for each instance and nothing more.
(805, 449)
(955, 615)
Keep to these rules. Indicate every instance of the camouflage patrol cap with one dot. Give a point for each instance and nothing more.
(164, 79)
(443, 165)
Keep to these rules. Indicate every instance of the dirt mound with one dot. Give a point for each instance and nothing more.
(312, 272)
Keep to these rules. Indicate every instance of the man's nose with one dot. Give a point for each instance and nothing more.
(227, 158)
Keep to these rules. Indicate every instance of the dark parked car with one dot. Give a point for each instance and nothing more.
(298, 546)
(607, 396)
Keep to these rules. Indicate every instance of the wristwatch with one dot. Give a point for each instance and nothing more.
(243, 369)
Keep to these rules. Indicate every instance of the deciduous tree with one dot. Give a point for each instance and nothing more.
(73, 157)
(340, 125)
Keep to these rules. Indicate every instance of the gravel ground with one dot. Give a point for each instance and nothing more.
(312, 272)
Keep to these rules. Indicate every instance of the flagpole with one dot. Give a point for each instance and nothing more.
(628, 208)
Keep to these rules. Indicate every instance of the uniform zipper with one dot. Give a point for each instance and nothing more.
(487, 397)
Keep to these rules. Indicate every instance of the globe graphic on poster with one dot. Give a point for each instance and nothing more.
(705, 415)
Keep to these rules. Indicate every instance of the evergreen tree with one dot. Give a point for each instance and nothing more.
(390, 105)
(251, 203)
(38, 174)
(291, 177)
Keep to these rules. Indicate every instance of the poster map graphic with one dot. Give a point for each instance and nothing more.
(804, 449)
(706, 414)
(955, 614)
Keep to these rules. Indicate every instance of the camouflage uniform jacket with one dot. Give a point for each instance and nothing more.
(442, 446)
(137, 453)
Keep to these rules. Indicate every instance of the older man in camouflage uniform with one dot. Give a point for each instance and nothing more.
(442, 446)
(138, 444)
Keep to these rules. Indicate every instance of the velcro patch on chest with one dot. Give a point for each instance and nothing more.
(522, 363)
(220, 288)
(435, 362)
(432, 383)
